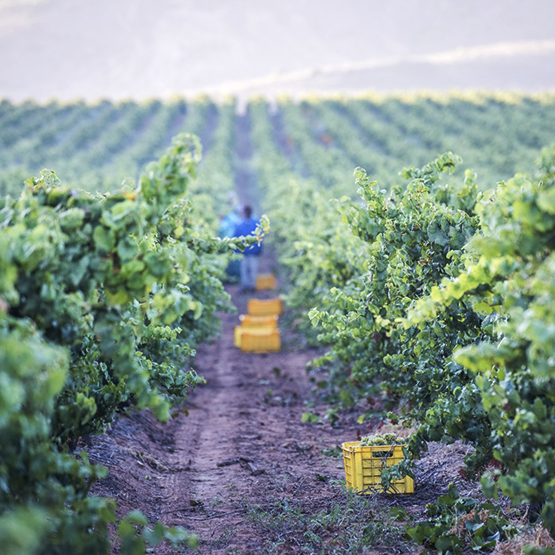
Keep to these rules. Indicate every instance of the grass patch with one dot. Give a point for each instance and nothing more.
(347, 524)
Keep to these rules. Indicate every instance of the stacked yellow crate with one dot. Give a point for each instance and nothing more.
(258, 331)
(265, 281)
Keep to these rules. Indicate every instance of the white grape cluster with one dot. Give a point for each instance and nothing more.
(382, 439)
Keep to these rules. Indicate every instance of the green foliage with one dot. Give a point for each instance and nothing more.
(314, 245)
(413, 236)
(135, 535)
(310, 418)
(456, 522)
(453, 314)
(104, 275)
(216, 175)
(508, 278)
(103, 299)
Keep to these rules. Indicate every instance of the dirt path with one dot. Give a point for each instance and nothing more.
(243, 442)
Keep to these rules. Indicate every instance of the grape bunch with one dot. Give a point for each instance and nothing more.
(382, 439)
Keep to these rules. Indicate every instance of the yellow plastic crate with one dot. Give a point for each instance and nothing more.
(264, 307)
(265, 281)
(261, 343)
(258, 321)
(239, 331)
(364, 465)
(257, 340)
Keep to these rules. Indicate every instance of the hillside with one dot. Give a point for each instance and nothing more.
(141, 48)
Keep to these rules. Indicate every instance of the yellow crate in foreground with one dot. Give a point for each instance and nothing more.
(239, 331)
(257, 340)
(364, 465)
(264, 307)
(258, 321)
(265, 281)
(261, 343)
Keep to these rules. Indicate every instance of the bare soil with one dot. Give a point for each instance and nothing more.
(242, 447)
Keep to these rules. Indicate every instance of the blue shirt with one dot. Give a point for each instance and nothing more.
(245, 228)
